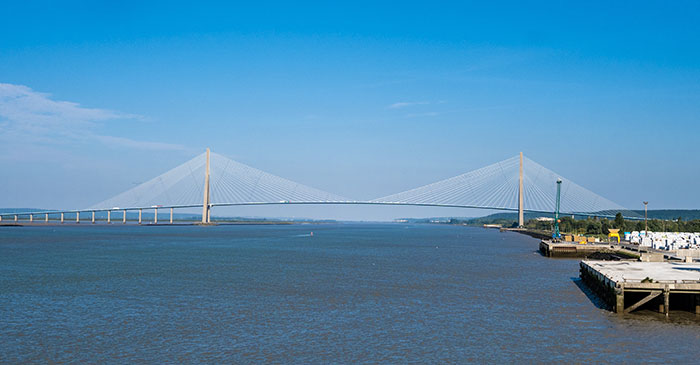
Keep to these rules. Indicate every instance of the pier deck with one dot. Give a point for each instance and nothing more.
(573, 249)
(628, 285)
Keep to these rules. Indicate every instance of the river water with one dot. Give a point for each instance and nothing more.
(348, 293)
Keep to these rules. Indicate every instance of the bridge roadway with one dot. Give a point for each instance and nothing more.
(29, 215)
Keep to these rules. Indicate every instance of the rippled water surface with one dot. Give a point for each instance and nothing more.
(350, 292)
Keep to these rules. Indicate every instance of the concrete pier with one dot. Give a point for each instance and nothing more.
(140, 211)
(155, 216)
(573, 249)
(61, 217)
(630, 285)
(46, 218)
(93, 217)
(171, 215)
(77, 217)
(109, 216)
(123, 216)
(31, 217)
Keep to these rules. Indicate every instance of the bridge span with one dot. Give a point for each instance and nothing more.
(210, 180)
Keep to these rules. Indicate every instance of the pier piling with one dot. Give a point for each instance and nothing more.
(667, 299)
(620, 298)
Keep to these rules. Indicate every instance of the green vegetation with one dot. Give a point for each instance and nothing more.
(671, 214)
(508, 220)
(595, 226)
(478, 222)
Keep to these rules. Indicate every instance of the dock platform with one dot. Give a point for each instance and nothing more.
(630, 285)
(573, 249)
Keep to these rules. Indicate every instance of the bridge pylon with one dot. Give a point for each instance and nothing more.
(206, 218)
(521, 215)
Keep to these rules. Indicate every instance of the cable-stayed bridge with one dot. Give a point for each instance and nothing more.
(212, 180)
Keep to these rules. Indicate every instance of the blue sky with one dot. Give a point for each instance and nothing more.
(361, 99)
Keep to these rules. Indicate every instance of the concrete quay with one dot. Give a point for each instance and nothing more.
(627, 286)
(573, 249)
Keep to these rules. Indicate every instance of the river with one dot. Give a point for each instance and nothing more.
(348, 293)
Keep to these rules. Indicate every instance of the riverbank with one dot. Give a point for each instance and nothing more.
(530, 232)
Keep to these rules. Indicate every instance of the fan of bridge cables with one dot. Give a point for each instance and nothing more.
(497, 186)
(494, 187)
(231, 182)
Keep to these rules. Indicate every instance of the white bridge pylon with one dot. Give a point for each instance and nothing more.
(498, 186)
(231, 183)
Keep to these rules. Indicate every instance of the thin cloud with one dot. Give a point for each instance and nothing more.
(31, 117)
(144, 145)
(404, 104)
(418, 115)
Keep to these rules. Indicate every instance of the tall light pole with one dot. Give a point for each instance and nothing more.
(645, 218)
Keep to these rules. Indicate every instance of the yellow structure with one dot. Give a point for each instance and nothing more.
(614, 233)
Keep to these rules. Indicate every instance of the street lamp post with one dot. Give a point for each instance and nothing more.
(645, 218)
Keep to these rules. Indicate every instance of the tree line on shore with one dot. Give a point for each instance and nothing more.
(601, 226)
(589, 225)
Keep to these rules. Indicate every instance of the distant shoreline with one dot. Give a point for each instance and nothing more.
(151, 224)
